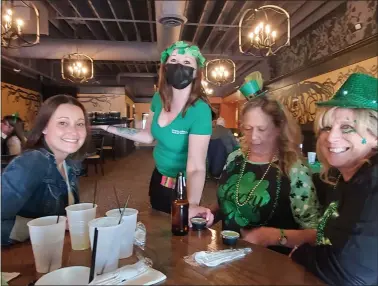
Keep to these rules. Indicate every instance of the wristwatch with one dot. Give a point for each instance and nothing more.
(283, 238)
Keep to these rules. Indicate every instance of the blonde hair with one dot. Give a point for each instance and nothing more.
(290, 136)
(366, 121)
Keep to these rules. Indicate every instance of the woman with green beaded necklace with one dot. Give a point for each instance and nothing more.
(347, 235)
(266, 192)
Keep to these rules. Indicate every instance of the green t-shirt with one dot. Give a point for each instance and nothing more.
(171, 150)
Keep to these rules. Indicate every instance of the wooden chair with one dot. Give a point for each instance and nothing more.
(96, 153)
(111, 148)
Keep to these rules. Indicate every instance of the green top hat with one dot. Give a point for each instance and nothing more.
(358, 91)
(252, 86)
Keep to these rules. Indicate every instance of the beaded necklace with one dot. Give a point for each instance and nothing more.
(331, 211)
(251, 193)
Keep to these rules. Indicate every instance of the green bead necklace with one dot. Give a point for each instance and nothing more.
(251, 193)
(331, 211)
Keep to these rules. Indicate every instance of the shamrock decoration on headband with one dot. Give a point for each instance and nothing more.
(184, 48)
(252, 86)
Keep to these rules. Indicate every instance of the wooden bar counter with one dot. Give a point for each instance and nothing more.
(262, 266)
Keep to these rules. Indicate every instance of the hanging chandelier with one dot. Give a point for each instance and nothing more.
(206, 88)
(77, 67)
(258, 35)
(220, 71)
(17, 29)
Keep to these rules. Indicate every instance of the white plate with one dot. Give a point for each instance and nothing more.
(75, 275)
(150, 277)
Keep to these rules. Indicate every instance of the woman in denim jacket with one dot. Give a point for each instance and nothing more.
(43, 180)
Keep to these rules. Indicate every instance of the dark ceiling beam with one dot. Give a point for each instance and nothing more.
(149, 8)
(93, 8)
(124, 35)
(91, 19)
(209, 6)
(246, 5)
(227, 7)
(65, 30)
(133, 18)
(56, 23)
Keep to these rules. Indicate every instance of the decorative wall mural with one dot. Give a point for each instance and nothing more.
(96, 101)
(24, 101)
(104, 102)
(300, 98)
(334, 33)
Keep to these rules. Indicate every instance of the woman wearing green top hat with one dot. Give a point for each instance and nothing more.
(180, 122)
(266, 191)
(347, 235)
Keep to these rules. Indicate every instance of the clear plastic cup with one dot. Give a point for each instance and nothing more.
(129, 226)
(47, 239)
(108, 243)
(78, 216)
(311, 156)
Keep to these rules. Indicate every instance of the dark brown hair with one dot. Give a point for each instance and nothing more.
(18, 127)
(166, 94)
(290, 133)
(36, 138)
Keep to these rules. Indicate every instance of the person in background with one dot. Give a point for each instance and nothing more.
(180, 122)
(42, 181)
(225, 134)
(222, 143)
(16, 140)
(265, 191)
(6, 130)
(346, 250)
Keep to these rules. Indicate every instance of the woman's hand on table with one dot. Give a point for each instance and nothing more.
(264, 236)
(198, 211)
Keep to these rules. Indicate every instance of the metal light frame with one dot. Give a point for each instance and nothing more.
(270, 51)
(77, 57)
(227, 63)
(8, 35)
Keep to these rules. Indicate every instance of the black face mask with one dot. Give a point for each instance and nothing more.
(179, 76)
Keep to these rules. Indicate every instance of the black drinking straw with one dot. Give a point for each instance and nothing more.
(115, 193)
(123, 211)
(94, 195)
(93, 260)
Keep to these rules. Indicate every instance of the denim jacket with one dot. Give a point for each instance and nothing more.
(33, 187)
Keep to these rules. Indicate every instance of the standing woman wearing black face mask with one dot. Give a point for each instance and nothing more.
(180, 122)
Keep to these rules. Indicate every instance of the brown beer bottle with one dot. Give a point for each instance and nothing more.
(180, 208)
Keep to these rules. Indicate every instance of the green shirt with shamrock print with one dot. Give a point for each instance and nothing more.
(296, 205)
(171, 150)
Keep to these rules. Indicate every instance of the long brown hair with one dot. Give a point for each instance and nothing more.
(290, 134)
(36, 137)
(166, 94)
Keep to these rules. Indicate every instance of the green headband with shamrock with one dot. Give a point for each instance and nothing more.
(15, 117)
(184, 48)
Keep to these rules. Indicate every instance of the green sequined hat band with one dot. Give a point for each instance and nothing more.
(184, 49)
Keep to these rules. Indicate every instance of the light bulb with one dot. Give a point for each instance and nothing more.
(251, 35)
(226, 73)
(221, 68)
(214, 74)
(257, 30)
(267, 29)
(79, 64)
(261, 25)
(9, 12)
(84, 70)
(19, 22)
(7, 18)
(70, 69)
(274, 34)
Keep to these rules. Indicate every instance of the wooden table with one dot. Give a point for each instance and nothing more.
(262, 266)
